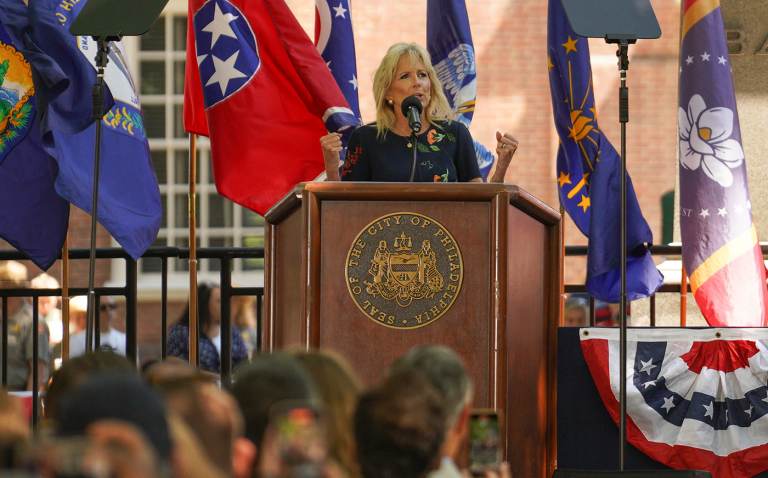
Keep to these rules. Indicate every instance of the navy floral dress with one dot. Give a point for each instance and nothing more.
(445, 154)
(178, 342)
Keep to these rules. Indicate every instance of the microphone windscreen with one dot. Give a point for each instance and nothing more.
(411, 102)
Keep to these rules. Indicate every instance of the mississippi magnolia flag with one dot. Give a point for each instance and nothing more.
(33, 218)
(696, 399)
(721, 253)
(256, 85)
(588, 169)
(449, 42)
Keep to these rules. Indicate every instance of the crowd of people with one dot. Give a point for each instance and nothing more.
(286, 414)
(50, 332)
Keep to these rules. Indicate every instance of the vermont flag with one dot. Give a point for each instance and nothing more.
(33, 218)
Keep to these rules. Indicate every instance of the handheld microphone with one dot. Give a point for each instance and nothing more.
(411, 108)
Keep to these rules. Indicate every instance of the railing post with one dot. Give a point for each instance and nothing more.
(35, 362)
(226, 321)
(5, 341)
(131, 278)
(163, 307)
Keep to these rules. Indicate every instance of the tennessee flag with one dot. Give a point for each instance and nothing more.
(720, 249)
(256, 85)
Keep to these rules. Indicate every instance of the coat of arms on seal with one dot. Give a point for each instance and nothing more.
(16, 97)
(404, 270)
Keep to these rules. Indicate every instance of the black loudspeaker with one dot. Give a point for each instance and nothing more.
(630, 474)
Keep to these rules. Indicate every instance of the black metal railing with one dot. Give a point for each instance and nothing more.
(656, 251)
(224, 257)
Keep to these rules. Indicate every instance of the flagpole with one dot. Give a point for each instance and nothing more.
(65, 299)
(683, 274)
(683, 296)
(193, 312)
(561, 319)
(102, 57)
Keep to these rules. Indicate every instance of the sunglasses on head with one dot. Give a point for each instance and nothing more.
(106, 307)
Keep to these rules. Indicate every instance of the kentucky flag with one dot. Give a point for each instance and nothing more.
(129, 199)
(721, 253)
(251, 64)
(33, 218)
(696, 399)
(588, 172)
(449, 42)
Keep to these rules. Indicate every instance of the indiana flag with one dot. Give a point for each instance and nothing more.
(256, 85)
(449, 42)
(129, 198)
(33, 218)
(696, 399)
(721, 253)
(589, 172)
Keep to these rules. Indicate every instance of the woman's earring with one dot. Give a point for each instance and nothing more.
(390, 102)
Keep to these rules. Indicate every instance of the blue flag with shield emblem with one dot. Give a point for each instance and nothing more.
(588, 169)
(449, 42)
(129, 199)
(33, 218)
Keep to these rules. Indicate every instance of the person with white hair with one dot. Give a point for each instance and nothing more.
(109, 337)
(49, 307)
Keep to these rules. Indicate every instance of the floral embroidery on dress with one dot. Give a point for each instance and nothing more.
(441, 178)
(353, 156)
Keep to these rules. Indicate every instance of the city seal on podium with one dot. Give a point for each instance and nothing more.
(404, 270)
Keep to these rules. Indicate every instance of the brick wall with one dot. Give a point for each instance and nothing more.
(510, 38)
(513, 96)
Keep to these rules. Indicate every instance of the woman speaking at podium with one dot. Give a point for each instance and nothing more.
(410, 101)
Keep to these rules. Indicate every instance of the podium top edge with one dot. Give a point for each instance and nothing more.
(373, 191)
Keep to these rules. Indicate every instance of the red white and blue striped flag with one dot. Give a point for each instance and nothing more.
(721, 253)
(335, 42)
(696, 398)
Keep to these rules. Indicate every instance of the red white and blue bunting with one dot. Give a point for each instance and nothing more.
(696, 398)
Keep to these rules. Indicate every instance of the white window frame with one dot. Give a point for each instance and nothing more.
(178, 281)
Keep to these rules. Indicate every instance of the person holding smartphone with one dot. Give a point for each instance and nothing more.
(445, 372)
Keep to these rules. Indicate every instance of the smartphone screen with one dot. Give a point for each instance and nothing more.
(484, 441)
(294, 442)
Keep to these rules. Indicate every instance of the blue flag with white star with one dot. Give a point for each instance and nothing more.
(336, 43)
(129, 198)
(588, 169)
(449, 42)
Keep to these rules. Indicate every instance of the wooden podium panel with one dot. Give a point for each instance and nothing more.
(502, 321)
(466, 326)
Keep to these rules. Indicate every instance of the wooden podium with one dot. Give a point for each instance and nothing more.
(370, 270)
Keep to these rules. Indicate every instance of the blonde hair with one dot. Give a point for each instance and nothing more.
(438, 107)
(13, 274)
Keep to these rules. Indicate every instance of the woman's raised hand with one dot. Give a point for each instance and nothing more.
(331, 144)
(506, 145)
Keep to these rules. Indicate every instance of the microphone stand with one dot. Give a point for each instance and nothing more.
(102, 57)
(414, 139)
